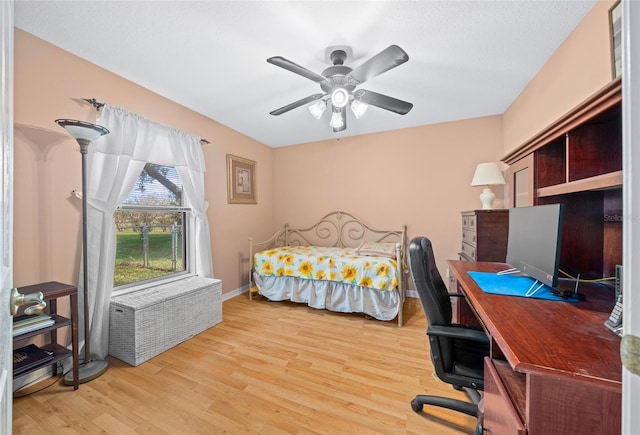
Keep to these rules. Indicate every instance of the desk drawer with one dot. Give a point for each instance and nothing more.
(500, 395)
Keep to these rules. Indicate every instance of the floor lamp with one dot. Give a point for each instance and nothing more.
(84, 133)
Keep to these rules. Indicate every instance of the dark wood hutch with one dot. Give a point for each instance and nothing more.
(577, 161)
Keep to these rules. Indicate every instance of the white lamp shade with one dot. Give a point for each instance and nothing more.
(487, 174)
(82, 130)
(318, 108)
(358, 108)
(336, 120)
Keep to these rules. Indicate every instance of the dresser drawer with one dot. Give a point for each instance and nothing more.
(470, 237)
(469, 221)
(468, 251)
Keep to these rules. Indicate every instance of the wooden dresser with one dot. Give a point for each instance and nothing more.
(484, 238)
(484, 235)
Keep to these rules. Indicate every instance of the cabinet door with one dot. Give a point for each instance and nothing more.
(520, 187)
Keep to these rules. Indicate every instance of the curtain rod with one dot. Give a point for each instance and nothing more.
(98, 105)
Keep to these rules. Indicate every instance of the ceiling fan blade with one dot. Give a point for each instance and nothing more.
(295, 68)
(295, 104)
(343, 114)
(390, 57)
(383, 101)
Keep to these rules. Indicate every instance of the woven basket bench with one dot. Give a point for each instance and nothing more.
(145, 323)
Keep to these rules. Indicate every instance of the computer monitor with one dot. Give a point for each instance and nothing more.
(535, 235)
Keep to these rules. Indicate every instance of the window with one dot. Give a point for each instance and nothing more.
(151, 228)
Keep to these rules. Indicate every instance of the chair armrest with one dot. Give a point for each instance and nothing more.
(459, 332)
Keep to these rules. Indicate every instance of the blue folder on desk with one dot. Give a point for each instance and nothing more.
(513, 285)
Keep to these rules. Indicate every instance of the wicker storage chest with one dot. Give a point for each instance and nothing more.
(145, 323)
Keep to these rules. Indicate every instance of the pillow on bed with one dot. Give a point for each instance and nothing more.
(377, 249)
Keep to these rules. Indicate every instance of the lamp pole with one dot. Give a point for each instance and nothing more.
(84, 148)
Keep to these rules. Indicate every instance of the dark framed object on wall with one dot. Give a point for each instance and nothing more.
(615, 26)
(241, 180)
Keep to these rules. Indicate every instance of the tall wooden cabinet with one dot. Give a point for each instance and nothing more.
(484, 238)
(484, 235)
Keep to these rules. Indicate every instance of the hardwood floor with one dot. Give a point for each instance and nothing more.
(268, 368)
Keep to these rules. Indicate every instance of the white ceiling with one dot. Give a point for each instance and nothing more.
(466, 58)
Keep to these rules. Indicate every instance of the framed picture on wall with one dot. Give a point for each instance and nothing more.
(615, 24)
(241, 180)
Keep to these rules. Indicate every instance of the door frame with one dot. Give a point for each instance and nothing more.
(631, 204)
(6, 214)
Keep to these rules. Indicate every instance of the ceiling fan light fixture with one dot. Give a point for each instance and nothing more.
(339, 97)
(358, 108)
(318, 108)
(336, 120)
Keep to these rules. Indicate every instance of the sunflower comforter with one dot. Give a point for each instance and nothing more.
(342, 265)
(336, 279)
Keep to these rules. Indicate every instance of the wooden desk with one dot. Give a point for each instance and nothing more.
(554, 367)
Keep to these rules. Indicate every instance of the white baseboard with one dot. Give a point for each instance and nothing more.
(234, 293)
(411, 294)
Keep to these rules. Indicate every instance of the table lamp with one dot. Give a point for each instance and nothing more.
(487, 174)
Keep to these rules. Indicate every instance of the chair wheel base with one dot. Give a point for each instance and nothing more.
(416, 406)
(444, 402)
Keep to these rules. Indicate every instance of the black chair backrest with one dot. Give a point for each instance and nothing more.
(458, 361)
(432, 291)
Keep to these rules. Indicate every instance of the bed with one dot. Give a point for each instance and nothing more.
(339, 264)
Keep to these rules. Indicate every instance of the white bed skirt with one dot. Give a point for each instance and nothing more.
(333, 296)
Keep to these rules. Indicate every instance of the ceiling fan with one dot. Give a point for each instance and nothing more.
(339, 84)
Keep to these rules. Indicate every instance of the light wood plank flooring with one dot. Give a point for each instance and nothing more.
(268, 368)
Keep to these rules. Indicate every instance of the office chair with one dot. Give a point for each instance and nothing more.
(457, 351)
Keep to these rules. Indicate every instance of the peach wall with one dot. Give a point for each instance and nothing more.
(49, 84)
(580, 66)
(416, 176)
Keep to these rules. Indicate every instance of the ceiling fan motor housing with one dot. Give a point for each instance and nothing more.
(336, 74)
(336, 78)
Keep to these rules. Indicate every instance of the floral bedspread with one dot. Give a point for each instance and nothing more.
(332, 264)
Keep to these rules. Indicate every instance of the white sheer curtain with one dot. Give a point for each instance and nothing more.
(114, 163)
